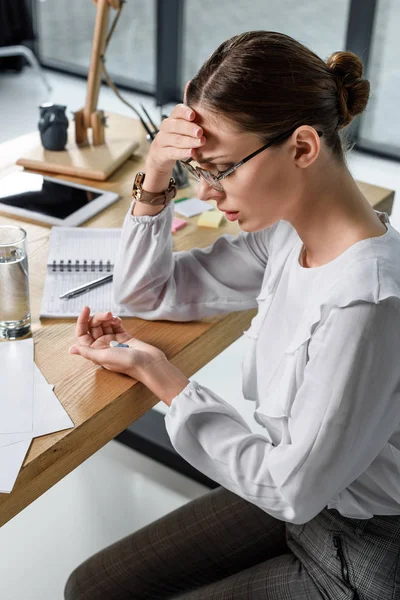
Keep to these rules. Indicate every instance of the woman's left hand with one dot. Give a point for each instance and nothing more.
(94, 335)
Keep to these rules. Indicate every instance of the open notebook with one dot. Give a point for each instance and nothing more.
(77, 256)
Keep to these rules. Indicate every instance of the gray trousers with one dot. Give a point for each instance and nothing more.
(221, 547)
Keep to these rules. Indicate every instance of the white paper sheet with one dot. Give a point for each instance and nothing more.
(48, 416)
(11, 459)
(16, 386)
(191, 207)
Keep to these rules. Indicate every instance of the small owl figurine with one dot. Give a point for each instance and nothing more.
(53, 126)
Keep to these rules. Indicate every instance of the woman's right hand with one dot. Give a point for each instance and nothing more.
(176, 140)
(94, 335)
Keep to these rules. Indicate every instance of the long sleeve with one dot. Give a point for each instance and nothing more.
(154, 282)
(342, 416)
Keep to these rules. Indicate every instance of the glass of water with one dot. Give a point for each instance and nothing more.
(15, 316)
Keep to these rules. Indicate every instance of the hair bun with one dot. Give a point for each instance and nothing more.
(353, 89)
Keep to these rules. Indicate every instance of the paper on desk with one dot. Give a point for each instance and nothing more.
(16, 382)
(11, 459)
(48, 416)
(177, 224)
(191, 207)
(210, 219)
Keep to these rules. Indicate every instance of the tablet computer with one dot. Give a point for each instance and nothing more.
(51, 201)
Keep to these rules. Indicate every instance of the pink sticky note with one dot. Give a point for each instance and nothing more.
(177, 224)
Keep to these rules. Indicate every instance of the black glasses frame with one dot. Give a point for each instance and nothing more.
(214, 180)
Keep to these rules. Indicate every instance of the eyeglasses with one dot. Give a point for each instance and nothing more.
(215, 180)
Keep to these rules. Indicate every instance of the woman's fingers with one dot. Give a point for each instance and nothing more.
(180, 133)
(113, 327)
(173, 154)
(169, 155)
(107, 329)
(180, 126)
(117, 327)
(182, 111)
(96, 355)
(89, 329)
(99, 318)
(176, 140)
(102, 324)
(96, 324)
(109, 323)
(82, 327)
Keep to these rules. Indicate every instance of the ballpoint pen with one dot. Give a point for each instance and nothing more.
(85, 287)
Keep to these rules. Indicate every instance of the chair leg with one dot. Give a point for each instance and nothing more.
(30, 57)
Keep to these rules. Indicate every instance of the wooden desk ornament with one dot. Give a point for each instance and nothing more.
(98, 158)
(90, 117)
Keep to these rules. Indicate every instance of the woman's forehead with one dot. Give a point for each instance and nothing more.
(215, 124)
(221, 135)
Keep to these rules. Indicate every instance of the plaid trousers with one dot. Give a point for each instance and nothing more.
(221, 547)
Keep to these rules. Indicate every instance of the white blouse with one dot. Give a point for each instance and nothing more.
(322, 364)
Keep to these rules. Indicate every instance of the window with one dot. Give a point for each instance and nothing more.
(145, 52)
(380, 124)
(319, 25)
(65, 33)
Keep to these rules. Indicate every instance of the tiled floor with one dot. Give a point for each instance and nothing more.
(117, 490)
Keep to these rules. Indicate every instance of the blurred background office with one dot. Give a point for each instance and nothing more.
(157, 46)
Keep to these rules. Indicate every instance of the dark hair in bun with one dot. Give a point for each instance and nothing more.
(267, 83)
(353, 90)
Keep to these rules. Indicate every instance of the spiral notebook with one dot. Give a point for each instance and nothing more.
(77, 256)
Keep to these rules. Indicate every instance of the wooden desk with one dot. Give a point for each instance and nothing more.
(102, 404)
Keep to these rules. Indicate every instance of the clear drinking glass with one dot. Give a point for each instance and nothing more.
(15, 316)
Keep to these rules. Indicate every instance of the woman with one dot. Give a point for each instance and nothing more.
(311, 509)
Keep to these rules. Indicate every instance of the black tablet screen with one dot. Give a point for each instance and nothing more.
(32, 192)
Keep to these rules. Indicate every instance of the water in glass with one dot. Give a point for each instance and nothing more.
(15, 318)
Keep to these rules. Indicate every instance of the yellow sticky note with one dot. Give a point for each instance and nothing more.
(211, 218)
